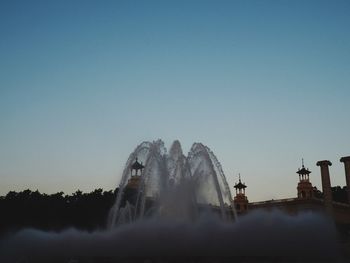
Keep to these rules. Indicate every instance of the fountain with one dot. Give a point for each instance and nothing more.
(170, 184)
(174, 190)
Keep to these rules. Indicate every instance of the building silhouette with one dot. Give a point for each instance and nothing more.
(307, 197)
(307, 200)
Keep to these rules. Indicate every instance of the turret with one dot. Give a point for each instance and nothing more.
(240, 200)
(135, 179)
(305, 189)
(132, 188)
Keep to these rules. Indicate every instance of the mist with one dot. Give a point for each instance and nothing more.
(257, 235)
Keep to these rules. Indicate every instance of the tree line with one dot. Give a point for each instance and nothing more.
(85, 211)
(339, 194)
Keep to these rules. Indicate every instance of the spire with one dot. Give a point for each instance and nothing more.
(240, 185)
(303, 171)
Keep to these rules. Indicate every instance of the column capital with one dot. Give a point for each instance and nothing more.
(345, 159)
(324, 163)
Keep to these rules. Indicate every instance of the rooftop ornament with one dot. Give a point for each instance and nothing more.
(137, 166)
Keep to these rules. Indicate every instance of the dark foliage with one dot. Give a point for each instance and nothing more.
(86, 211)
(338, 194)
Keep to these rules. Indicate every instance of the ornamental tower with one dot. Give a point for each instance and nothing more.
(240, 200)
(131, 190)
(305, 189)
(134, 180)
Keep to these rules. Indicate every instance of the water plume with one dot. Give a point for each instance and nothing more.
(198, 179)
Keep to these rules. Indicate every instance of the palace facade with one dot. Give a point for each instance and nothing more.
(305, 200)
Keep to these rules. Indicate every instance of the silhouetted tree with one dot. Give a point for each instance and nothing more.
(85, 211)
(317, 193)
(339, 194)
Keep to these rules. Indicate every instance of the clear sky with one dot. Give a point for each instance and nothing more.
(262, 83)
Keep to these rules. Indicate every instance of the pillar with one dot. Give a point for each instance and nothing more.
(326, 184)
(346, 161)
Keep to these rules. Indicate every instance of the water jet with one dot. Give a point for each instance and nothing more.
(157, 182)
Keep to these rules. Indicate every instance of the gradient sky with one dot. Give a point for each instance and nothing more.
(262, 83)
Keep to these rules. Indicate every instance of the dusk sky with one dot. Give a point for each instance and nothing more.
(262, 83)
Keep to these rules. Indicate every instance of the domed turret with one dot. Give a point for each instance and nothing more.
(136, 166)
(305, 189)
(240, 200)
(131, 189)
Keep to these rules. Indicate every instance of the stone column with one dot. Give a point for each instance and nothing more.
(326, 184)
(346, 161)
